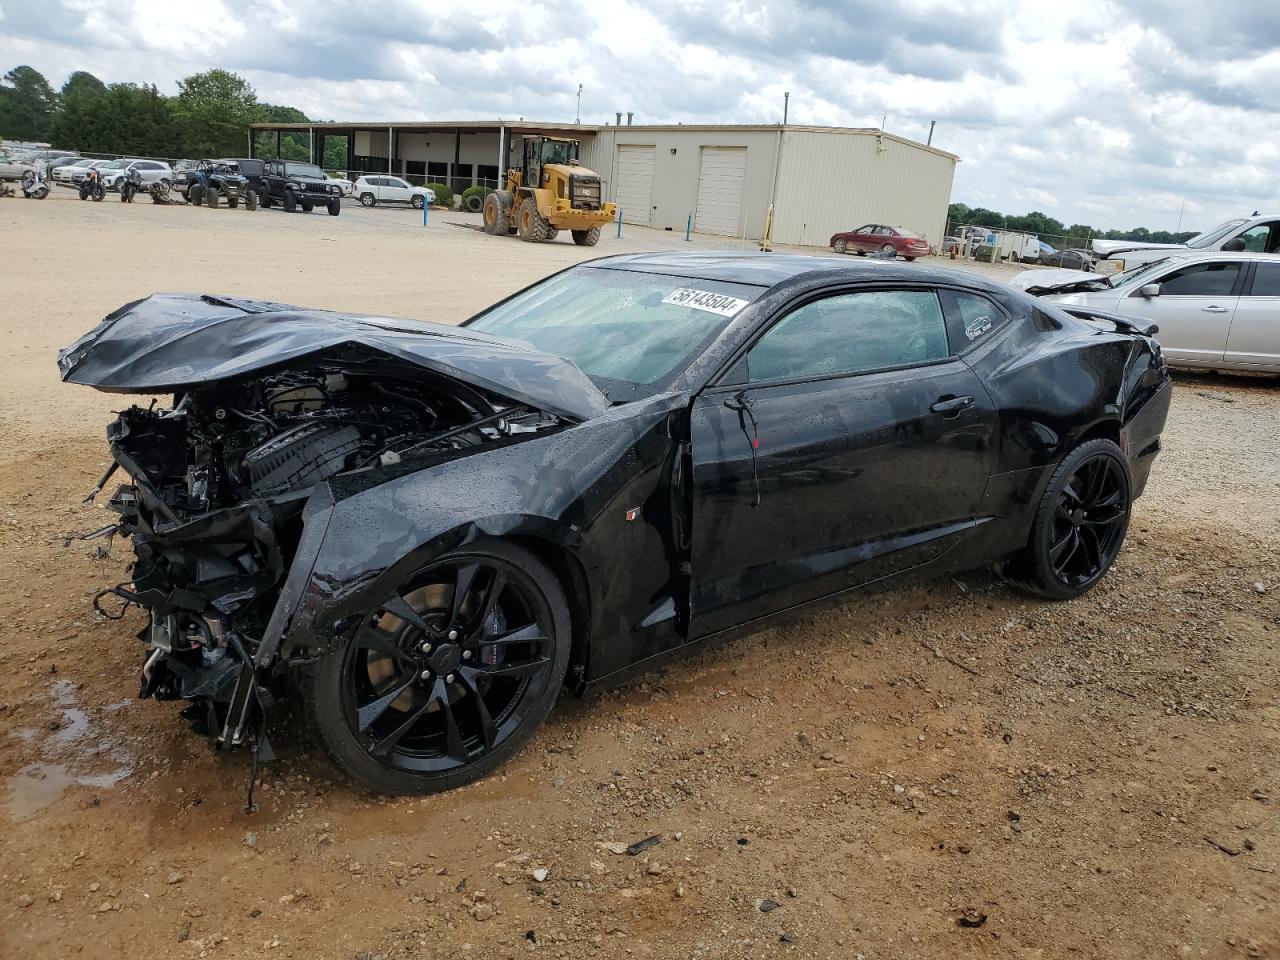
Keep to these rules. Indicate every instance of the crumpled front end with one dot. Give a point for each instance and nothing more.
(229, 493)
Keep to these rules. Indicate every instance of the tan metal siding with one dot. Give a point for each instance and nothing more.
(829, 182)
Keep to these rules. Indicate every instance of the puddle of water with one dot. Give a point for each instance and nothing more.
(38, 785)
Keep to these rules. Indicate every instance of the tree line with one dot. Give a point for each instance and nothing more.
(1044, 225)
(209, 117)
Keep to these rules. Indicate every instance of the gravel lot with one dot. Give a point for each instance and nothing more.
(945, 770)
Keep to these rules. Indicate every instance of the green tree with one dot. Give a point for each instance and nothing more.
(27, 103)
(293, 146)
(212, 113)
(80, 113)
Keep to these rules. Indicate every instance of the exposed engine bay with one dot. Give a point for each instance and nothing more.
(220, 480)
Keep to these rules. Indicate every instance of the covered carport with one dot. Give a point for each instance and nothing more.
(460, 154)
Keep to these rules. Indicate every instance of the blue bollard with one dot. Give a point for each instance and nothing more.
(425, 205)
(688, 228)
(619, 221)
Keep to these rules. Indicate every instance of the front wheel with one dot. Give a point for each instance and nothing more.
(335, 208)
(840, 246)
(416, 201)
(1079, 524)
(99, 193)
(447, 677)
(307, 206)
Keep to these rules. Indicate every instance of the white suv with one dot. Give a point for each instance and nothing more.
(385, 188)
(152, 171)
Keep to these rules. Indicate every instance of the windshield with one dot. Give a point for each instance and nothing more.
(116, 164)
(1210, 237)
(1137, 273)
(557, 151)
(639, 329)
(303, 170)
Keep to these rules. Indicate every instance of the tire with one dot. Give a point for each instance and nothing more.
(840, 246)
(233, 202)
(473, 203)
(587, 238)
(99, 193)
(529, 222)
(551, 232)
(1014, 258)
(250, 200)
(264, 200)
(368, 200)
(211, 198)
(1080, 523)
(396, 704)
(888, 248)
(335, 208)
(497, 213)
(909, 259)
(416, 202)
(195, 194)
(307, 206)
(290, 201)
(40, 193)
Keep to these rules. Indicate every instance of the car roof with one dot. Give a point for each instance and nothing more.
(771, 269)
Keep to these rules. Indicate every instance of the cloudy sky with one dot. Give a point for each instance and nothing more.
(1114, 113)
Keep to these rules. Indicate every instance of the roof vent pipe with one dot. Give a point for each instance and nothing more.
(619, 115)
(629, 116)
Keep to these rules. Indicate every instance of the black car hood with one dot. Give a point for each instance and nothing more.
(173, 341)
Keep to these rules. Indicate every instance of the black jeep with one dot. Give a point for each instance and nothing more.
(292, 184)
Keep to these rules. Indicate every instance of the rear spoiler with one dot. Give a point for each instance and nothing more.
(1147, 328)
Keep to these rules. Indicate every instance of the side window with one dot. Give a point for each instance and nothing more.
(1201, 280)
(866, 229)
(1266, 280)
(850, 333)
(973, 318)
(1262, 238)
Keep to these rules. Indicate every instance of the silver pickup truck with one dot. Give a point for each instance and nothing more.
(1254, 234)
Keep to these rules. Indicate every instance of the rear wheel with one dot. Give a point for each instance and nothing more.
(368, 199)
(888, 248)
(587, 238)
(290, 201)
(1080, 523)
(264, 198)
(195, 194)
(530, 223)
(250, 200)
(211, 197)
(307, 206)
(233, 202)
(840, 246)
(445, 678)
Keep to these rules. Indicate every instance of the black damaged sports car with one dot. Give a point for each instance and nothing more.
(421, 533)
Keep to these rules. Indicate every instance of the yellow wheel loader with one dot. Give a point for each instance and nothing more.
(550, 192)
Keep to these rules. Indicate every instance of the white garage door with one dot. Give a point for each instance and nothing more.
(720, 190)
(634, 195)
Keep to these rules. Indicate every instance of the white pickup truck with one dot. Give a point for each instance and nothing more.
(1255, 234)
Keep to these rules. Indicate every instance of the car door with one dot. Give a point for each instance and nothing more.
(1193, 309)
(846, 445)
(397, 190)
(861, 238)
(1254, 339)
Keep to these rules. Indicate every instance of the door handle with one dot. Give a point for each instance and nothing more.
(1215, 309)
(951, 406)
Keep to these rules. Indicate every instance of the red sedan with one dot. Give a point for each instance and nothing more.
(876, 237)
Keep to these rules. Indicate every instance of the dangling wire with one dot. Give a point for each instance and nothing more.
(742, 403)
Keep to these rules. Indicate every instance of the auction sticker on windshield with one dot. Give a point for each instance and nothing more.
(705, 300)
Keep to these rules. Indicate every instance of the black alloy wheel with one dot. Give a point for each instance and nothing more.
(1080, 523)
(446, 677)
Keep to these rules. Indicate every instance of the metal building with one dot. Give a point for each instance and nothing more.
(721, 178)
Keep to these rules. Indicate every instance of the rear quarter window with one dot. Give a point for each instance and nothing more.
(972, 318)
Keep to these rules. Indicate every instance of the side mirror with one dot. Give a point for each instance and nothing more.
(1149, 290)
(1234, 245)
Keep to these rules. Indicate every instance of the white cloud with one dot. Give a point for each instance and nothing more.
(1112, 112)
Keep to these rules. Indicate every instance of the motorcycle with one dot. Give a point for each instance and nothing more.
(34, 186)
(130, 184)
(91, 187)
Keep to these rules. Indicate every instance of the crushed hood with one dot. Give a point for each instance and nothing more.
(173, 341)
(1058, 280)
(1105, 248)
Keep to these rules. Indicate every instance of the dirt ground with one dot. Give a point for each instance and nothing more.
(940, 771)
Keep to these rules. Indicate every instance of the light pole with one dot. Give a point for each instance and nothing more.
(578, 119)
